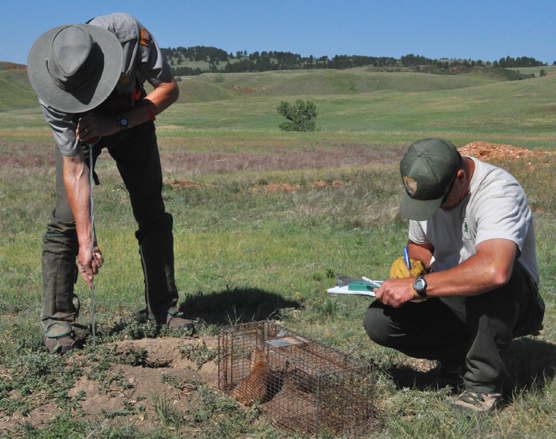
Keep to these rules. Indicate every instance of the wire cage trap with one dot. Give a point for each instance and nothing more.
(299, 384)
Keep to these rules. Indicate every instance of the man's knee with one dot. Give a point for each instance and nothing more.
(378, 326)
(157, 229)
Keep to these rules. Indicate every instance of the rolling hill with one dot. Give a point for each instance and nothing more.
(16, 92)
(354, 100)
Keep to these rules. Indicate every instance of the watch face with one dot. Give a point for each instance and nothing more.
(420, 284)
(122, 122)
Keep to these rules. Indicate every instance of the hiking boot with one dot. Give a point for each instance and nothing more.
(177, 321)
(477, 402)
(60, 345)
(60, 338)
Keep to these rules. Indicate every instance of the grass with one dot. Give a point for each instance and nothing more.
(535, 70)
(247, 250)
(15, 90)
(354, 106)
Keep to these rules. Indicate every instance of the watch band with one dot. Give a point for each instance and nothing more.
(420, 285)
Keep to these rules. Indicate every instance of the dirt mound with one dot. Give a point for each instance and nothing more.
(184, 183)
(167, 371)
(486, 151)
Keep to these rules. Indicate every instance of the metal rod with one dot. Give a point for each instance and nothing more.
(92, 183)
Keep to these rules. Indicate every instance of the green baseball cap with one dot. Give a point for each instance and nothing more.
(428, 167)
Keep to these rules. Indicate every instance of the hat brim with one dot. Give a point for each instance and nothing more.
(418, 210)
(88, 97)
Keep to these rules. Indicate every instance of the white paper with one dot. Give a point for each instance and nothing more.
(345, 290)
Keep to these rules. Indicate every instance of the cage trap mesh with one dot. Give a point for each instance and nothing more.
(299, 384)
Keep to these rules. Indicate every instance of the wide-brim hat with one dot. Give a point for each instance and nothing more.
(74, 68)
(428, 168)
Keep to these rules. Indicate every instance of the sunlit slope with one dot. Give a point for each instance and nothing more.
(526, 107)
(519, 107)
(355, 100)
(209, 87)
(16, 91)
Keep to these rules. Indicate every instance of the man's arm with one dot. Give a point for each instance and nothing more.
(421, 252)
(94, 124)
(489, 268)
(78, 189)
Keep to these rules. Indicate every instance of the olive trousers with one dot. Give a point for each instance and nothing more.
(137, 158)
(470, 332)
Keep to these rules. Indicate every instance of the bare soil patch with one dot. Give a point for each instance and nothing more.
(185, 183)
(132, 392)
(487, 151)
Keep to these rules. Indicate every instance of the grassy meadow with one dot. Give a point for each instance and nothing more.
(263, 219)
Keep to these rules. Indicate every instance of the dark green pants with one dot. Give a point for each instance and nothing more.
(469, 331)
(136, 154)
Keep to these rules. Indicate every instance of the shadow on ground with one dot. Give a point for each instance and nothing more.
(235, 305)
(531, 364)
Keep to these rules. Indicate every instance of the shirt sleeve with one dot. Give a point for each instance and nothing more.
(417, 232)
(63, 128)
(143, 59)
(152, 64)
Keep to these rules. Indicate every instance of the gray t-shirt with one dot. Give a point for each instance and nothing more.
(143, 61)
(496, 207)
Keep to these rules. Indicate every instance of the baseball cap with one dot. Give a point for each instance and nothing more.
(74, 68)
(428, 167)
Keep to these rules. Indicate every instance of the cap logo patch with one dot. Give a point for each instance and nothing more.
(410, 185)
(146, 39)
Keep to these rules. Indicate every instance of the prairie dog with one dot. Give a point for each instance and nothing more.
(253, 388)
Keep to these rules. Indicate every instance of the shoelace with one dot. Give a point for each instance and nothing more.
(474, 398)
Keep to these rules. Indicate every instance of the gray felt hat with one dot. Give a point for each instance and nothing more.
(74, 68)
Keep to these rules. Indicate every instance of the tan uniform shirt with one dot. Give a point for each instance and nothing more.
(143, 61)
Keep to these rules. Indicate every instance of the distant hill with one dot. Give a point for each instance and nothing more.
(12, 66)
(195, 60)
(219, 86)
(16, 91)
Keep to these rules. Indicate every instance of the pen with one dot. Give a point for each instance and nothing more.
(406, 258)
(374, 283)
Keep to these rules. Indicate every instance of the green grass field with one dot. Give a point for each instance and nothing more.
(248, 251)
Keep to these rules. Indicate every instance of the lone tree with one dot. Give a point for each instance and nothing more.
(300, 115)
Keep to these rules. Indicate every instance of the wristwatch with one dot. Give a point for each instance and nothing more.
(420, 285)
(123, 123)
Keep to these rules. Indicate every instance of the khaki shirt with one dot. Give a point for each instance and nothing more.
(143, 61)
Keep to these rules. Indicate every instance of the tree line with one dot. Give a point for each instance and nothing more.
(219, 61)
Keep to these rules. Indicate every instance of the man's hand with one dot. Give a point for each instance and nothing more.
(88, 263)
(93, 125)
(396, 292)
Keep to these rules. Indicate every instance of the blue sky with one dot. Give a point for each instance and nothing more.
(471, 29)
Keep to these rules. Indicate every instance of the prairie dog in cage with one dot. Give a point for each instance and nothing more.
(253, 388)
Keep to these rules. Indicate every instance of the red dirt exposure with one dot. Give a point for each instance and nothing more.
(184, 183)
(486, 151)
